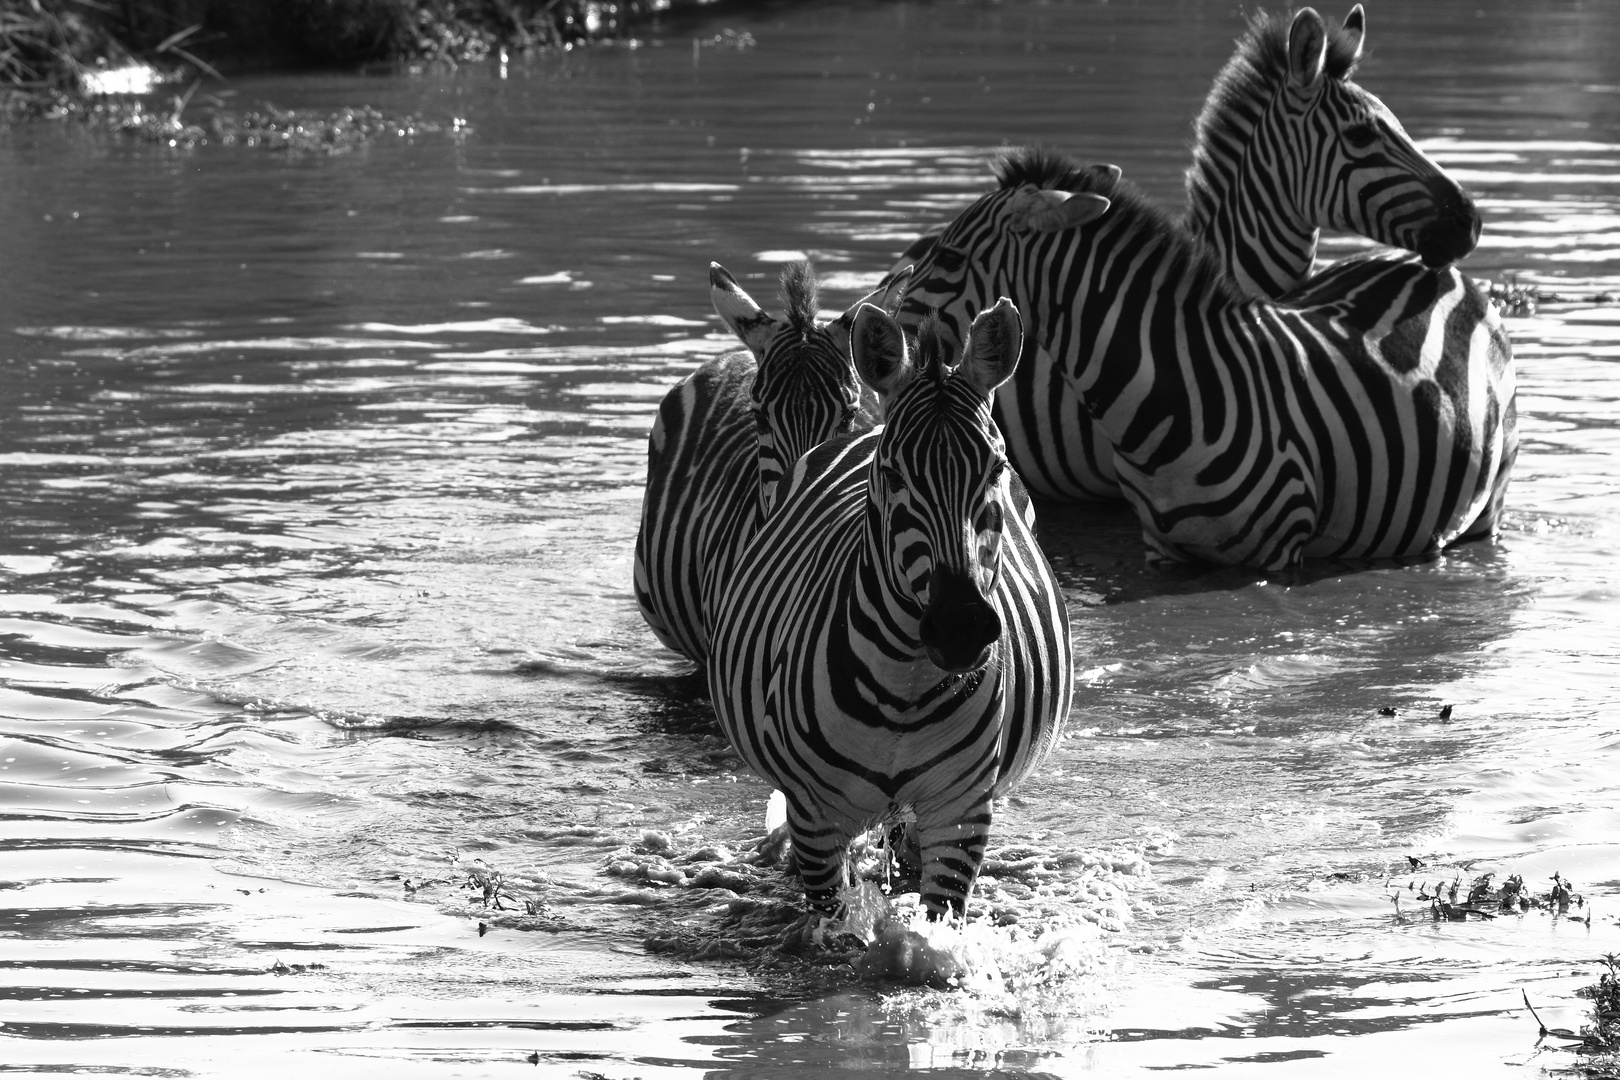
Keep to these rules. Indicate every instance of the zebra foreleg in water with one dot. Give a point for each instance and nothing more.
(893, 639)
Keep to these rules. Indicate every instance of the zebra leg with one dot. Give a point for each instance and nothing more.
(952, 853)
(822, 853)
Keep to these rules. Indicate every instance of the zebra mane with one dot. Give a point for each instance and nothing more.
(1151, 225)
(932, 351)
(1040, 166)
(1256, 69)
(799, 295)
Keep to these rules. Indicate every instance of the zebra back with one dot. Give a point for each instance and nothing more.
(723, 438)
(1287, 143)
(1242, 431)
(893, 642)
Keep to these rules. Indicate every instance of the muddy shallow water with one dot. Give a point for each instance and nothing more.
(320, 478)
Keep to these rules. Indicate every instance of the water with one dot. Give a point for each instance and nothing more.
(321, 476)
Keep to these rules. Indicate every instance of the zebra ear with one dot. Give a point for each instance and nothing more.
(738, 309)
(878, 347)
(1112, 172)
(894, 290)
(1054, 211)
(1307, 49)
(1355, 30)
(994, 342)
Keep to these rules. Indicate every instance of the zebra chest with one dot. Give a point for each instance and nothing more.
(904, 737)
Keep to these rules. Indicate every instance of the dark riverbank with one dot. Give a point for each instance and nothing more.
(50, 45)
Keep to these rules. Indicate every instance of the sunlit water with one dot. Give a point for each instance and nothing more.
(320, 477)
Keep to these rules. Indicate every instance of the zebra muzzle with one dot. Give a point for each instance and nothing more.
(1450, 236)
(960, 625)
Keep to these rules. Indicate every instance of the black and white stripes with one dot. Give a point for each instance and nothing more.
(894, 643)
(1243, 432)
(1287, 143)
(723, 438)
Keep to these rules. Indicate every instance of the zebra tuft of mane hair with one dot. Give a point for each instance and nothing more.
(1258, 68)
(1052, 169)
(932, 349)
(1046, 168)
(799, 295)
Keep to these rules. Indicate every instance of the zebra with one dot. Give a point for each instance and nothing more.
(893, 642)
(1286, 143)
(724, 437)
(1348, 423)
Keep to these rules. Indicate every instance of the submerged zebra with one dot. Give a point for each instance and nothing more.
(1286, 143)
(893, 641)
(1242, 431)
(724, 437)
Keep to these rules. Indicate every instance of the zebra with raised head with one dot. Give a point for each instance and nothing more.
(1242, 431)
(893, 641)
(724, 437)
(1287, 143)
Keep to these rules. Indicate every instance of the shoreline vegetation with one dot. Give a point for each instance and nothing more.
(62, 44)
(135, 66)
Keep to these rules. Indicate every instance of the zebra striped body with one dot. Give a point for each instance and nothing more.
(894, 642)
(1285, 144)
(723, 438)
(1352, 422)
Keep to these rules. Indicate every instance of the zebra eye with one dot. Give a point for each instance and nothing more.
(1361, 136)
(949, 259)
(893, 481)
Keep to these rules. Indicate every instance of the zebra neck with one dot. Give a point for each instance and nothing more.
(1263, 246)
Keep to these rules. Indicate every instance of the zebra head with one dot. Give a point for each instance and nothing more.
(940, 485)
(1356, 168)
(1287, 143)
(805, 390)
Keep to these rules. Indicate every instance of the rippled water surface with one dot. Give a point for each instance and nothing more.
(320, 477)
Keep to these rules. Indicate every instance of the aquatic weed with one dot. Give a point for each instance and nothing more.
(1513, 299)
(1448, 902)
(1601, 1035)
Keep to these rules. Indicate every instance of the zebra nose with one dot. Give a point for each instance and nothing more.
(1452, 234)
(960, 625)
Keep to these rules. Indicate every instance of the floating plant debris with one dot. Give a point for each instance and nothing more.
(1484, 899)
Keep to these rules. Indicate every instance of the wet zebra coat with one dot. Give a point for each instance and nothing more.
(1354, 424)
(893, 642)
(723, 438)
